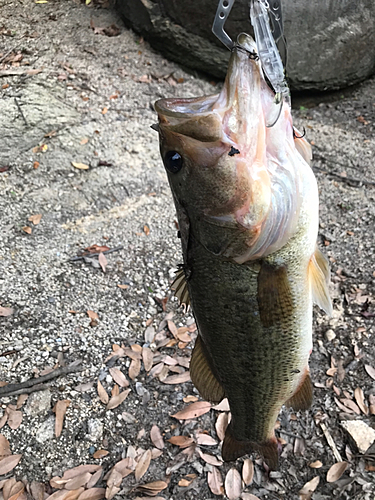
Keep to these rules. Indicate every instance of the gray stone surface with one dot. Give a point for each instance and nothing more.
(330, 43)
(95, 430)
(38, 403)
(46, 431)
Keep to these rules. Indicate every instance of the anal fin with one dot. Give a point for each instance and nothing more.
(319, 275)
(234, 448)
(202, 375)
(180, 288)
(302, 398)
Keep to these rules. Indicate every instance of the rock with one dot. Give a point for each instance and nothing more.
(37, 109)
(46, 431)
(330, 44)
(38, 403)
(362, 434)
(95, 430)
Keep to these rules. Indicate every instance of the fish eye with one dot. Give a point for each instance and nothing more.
(173, 162)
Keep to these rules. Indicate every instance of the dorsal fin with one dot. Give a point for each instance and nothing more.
(319, 276)
(180, 288)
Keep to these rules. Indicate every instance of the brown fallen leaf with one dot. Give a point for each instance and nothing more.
(215, 482)
(336, 471)
(156, 437)
(184, 482)
(4, 447)
(305, 493)
(172, 328)
(119, 377)
(100, 453)
(83, 141)
(92, 494)
(316, 465)
(8, 463)
(370, 370)
(15, 492)
(102, 261)
(134, 368)
(349, 403)
(20, 400)
(92, 314)
(177, 379)
(146, 230)
(115, 401)
(35, 219)
(249, 496)
(6, 311)
(360, 399)
(247, 472)
(205, 439)
(80, 166)
(142, 465)
(60, 410)
(223, 406)
(147, 357)
(190, 399)
(78, 481)
(181, 441)
(221, 425)
(7, 486)
(102, 393)
(152, 489)
(27, 229)
(193, 411)
(209, 459)
(95, 478)
(233, 484)
(37, 490)
(372, 404)
(81, 469)
(14, 418)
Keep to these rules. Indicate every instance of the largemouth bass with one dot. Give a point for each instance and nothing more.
(247, 205)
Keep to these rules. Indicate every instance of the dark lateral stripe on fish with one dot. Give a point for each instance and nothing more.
(274, 294)
(302, 398)
(202, 375)
(233, 449)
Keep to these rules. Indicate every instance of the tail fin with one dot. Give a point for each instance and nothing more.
(233, 449)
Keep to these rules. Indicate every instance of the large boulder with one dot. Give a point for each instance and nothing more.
(330, 44)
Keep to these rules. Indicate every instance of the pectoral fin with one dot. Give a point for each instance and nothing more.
(319, 275)
(202, 375)
(302, 398)
(180, 288)
(303, 147)
(233, 449)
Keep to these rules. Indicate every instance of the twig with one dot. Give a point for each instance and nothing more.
(348, 180)
(21, 112)
(79, 257)
(6, 54)
(74, 367)
(331, 442)
(39, 387)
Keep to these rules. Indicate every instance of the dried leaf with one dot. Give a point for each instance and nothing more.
(134, 368)
(119, 377)
(155, 453)
(181, 441)
(190, 399)
(14, 418)
(233, 484)
(81, 469)
(146, 230)
(209, 459)
(80, 166)
(21, 399)
(360, 398)
(152, 489)
(37, 490)
(92, 494)
(92, 315)
(7, 486)
(78, 481)
(184, 482)
(308, 489)
(249, 496)
(156, 370)
(142, 465)
(172, 328)
(223, 406)
(149, 334)
(369, 369)
(336, 471)
(102, 261)
(102, 393)
(221, 425)
(115, 401)
(94, 478)
(299, 446)
(27, 229)
(4, 447)
(6, 311)
(349, 403)
(316, 465)
(147, 357)
(215, 481)
(178, 379)
(15, 492)
(35, 219)
(83, 141)
(100, 453)
(248, 472)
(206, 440)
(60, 410)
(8, 463)
(156, 437)
(193, 411)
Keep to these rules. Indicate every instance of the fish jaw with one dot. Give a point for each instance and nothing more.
(240, 181)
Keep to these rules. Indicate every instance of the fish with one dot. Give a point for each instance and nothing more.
(248, 211)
